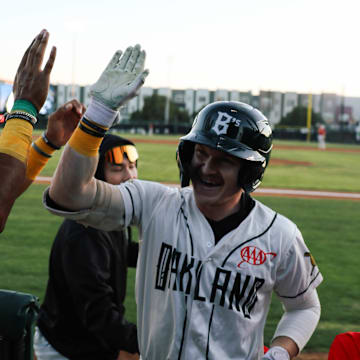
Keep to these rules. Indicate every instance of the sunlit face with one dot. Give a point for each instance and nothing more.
(116, 174)
(214, 175)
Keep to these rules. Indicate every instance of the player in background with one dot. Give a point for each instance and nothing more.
(210, 255)
(82, 316)
(321, 135)
(19, 161)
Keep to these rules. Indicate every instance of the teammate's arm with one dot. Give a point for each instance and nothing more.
(30, 89)
(73, 186)
(61, 124)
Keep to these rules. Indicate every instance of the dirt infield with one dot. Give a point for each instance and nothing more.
(292, 193)
(285, 147)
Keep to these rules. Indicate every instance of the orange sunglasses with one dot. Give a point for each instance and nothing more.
(116, 154)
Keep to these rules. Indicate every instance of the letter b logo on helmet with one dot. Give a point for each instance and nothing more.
(235, 128)
(222, 123)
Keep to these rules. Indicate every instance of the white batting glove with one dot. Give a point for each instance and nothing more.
(120, 81)
(276, 353)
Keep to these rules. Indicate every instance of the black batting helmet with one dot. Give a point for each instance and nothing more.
(235, 128)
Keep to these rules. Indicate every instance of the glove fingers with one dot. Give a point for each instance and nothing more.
(143, 75)
(114, 60)
(139, 65)
(139, 81)
(124, 59)
(132, 88)
(133, 59)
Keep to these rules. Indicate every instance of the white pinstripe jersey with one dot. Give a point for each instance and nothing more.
(198, 300)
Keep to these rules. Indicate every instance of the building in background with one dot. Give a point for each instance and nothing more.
(202, 98)
(336, 110)
(328, 108)
(221, 95)
(270, 104)
(184, 99)
(289, 103)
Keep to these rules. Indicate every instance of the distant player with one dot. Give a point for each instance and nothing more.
(321, 137)
(210, 255)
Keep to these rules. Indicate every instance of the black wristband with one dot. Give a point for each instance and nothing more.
(49, 143)
(90, 132)
(36, 148)
(93, 126)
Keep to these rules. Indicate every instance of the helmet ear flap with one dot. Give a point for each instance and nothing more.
(250, 175)
(184, 155)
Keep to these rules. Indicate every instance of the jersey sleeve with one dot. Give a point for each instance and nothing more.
(298, 273)
(141, 199)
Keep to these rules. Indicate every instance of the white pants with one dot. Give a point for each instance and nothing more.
(321, 142)
(43, 350)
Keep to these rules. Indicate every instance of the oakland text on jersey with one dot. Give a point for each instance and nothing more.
(232, 289)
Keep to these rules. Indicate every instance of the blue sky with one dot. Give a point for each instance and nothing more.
(281, 45)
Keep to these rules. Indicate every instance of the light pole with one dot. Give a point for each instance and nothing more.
(308, 122)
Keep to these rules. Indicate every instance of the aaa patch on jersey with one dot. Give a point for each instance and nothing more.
(254, 256)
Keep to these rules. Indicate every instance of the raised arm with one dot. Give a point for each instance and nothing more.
(30, 89)
(61, 124)
(73, 186)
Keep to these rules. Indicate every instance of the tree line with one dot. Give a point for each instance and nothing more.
(157, 108)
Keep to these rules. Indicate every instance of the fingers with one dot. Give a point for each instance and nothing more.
(143, 76)
(40, 51)
(50, 63)
(83, 109)
(33, 56)
(139, 65)
(133, 58)
(26, 54)
(114, 60)
(24, 59)
(76, 106)
(139, 81)
(124, 59)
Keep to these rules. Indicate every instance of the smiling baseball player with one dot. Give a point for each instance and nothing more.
(210, 255)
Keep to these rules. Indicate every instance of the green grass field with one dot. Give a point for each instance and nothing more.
(330, 227)
(336, 171)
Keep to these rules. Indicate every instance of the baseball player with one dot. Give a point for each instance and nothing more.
(210, 255)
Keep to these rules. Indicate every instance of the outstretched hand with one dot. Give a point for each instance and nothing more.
(62, 123)
(122, 78)
(31, 83)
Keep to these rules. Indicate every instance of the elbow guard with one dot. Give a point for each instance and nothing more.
(299, 322)
(106, 213)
